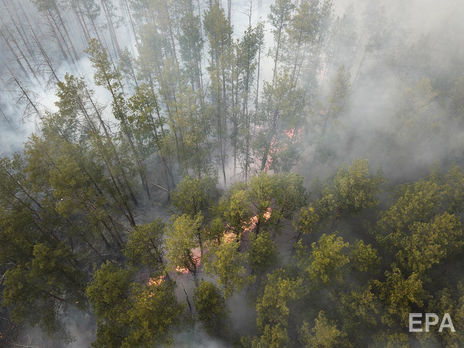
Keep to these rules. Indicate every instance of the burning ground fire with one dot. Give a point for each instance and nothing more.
(156, 281)
(196, 256)
(290, 133)
(293, 134)
(227, 237)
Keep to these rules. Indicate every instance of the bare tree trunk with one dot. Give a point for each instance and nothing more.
(81, 21)
(58, 12)
(18, 60)
(116, 183)
(111, 29)
(56, 35)
(47, 60)
(113, 147)
(27, 96)
(131, 22)
(21, 53)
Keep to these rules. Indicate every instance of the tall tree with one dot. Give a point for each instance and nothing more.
(110, 78)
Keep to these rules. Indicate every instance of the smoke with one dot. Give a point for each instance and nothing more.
(403, 62)
(197, 338)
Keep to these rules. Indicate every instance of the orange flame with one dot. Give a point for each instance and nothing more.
(156, 281)
(267, 214)
(228, 237)
(272, 151)
(182, 270)
(196, 257)
(290, 133)
(251, 225)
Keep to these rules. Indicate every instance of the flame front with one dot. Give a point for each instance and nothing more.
(156, 281)
(196, 258)
(267, 214)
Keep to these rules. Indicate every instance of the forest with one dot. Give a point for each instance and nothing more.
(231, 173)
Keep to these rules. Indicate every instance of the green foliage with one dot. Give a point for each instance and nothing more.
(153, 313)
(360, 311)
(229, 265)
(327, 259)
(128, 314)
(236, 206)
(429, 243)
(364, 257)
(38, 291)
(146, 122)
(280, 14)
(145, 246)
(339, 93)
(109, 290)
(308, 219)
(354, 188)
(273, 309)
(263, 253)
(324, 334)
(182, 236)
(400, 295)
(210, 307)
(273, 336)
(104, 75)
(284, 193)
(190, 104)
(193, 196)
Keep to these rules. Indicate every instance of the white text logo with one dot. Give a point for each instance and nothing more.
(431, 319)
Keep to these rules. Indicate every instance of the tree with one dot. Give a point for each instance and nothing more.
(400, 294)
(53, 14)
(354, 188)
(75, 99)
(430, 243)
(283, 193)
(244, 73)
(273, 336)
(219, 33)
(210, 307)
(109, 77)
(40, 290)
(273, 310)
(182, 236)
(339, 94)
(76, 184)
(195, 196)
(154, 313)
(145, 246)
(109, 291)
(306, 32)
(263, 253)
(150, 128)
(281, 109)
(327, 259)
(130, 314)
(359, 311)
(279, 17)
(229, 265)
(191, 46)
(324, 334)
(235, 206)
(364, 257)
